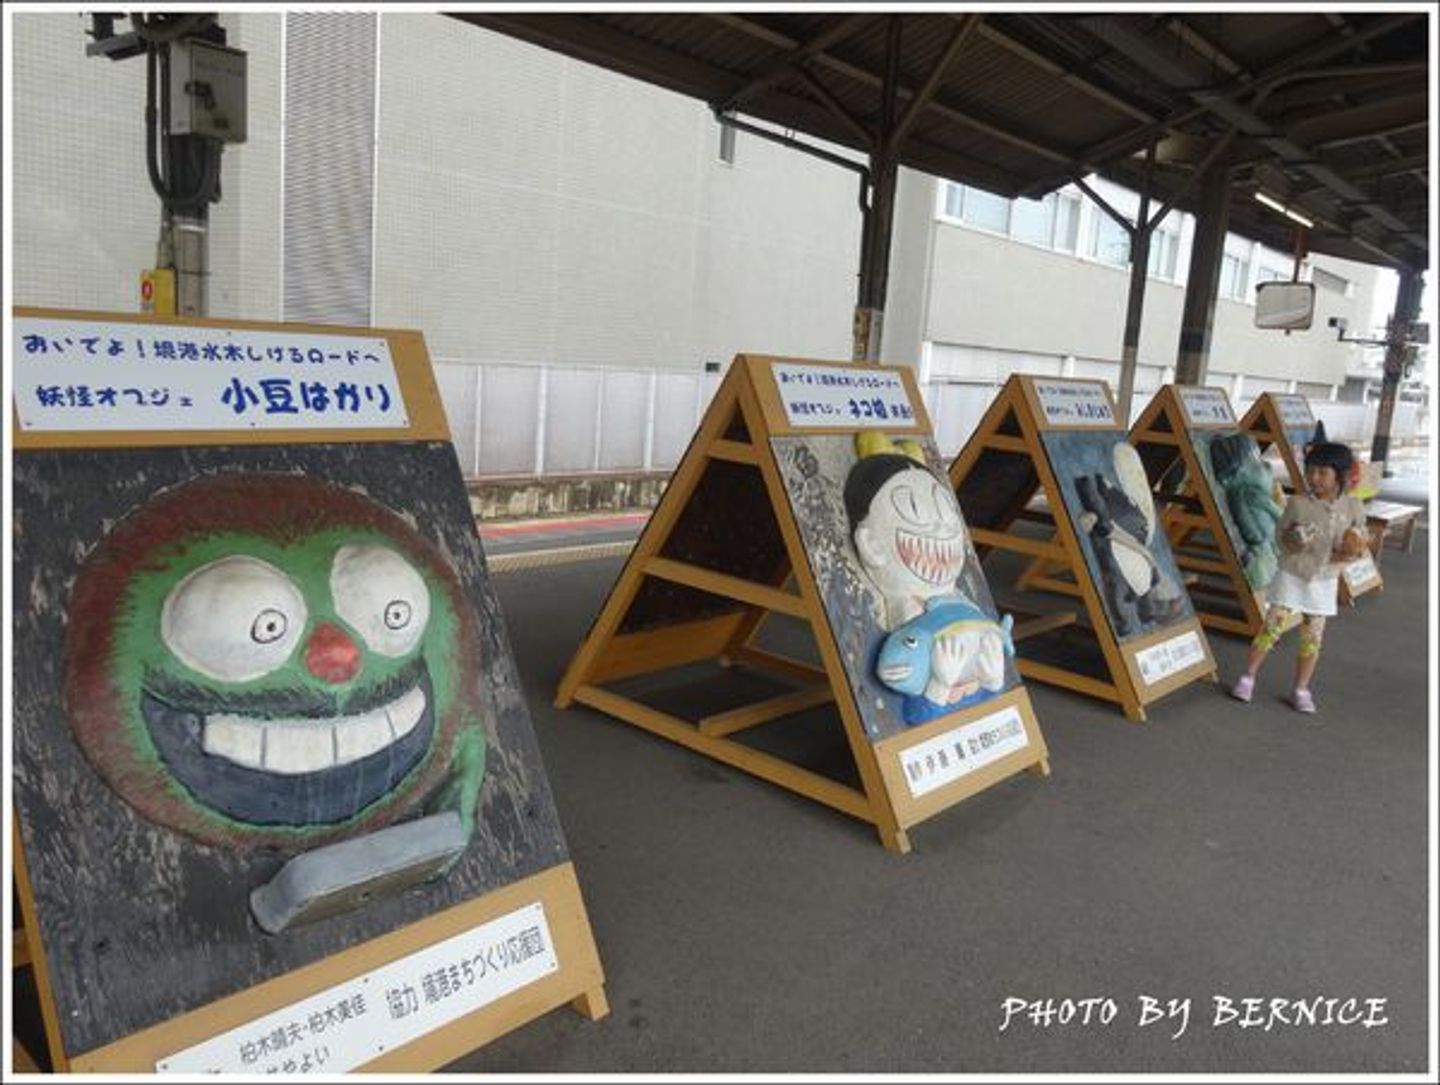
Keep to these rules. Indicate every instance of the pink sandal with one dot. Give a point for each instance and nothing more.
(1243, 689)
(1303, 701)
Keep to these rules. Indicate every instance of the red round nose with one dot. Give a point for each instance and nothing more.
(331, 655)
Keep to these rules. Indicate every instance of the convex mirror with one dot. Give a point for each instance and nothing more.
(1286, 305)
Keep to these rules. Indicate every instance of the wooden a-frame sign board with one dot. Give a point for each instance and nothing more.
(1016, 455)
(726, 548)
(1286, 421)
(145, 957)
(1201, 532)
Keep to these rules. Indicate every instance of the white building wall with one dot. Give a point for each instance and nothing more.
(535, 209)
(989, 293)
(528, 208)
(85, 218)
(541, 220)
(779, 251)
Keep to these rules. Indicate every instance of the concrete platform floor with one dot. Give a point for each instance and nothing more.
(1218, 850)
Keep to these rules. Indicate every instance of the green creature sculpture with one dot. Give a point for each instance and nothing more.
(270, 661)
(1248, 485)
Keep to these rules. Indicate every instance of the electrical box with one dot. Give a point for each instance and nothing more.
(207, 90)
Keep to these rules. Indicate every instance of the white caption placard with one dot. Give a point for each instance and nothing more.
(1360, 572)
(1294, 410)
(952, 754)
(350, 1024)
(1206, 406)
(1074, 403)
(816, 396)
(88, 375)
(1160, 661)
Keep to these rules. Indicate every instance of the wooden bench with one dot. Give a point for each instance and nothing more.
(1390, 519)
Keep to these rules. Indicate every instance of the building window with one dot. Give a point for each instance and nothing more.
(1164, 250)
(1326, 280)
(1109, 242)
(954, 199)
(1033, 220)
(1234, 277)
(1051, 222)
(985, 210)
(1067, 222)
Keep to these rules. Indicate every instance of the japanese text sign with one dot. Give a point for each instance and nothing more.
(93, 375)
(357, 1021)
(832, 397)
(1294, 410)
(1171, 656)
(1074, 403)
(1206, 406)
(960, 751)
(1360, 573)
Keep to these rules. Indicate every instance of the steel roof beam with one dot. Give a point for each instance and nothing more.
(1242, 117)
(1136, 138)
(1396, 167)
(1362, 121)
(1064, 72)
(827, 98)
(896, 136)
(798, 54)
(870, 79)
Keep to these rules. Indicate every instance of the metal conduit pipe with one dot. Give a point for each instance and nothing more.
(796, 145)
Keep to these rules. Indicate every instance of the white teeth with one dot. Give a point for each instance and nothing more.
(405, 712)
(293, 746)
(235, 739)
(361, 736)
(936, 561)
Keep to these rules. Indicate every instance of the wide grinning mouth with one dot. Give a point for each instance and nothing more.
(934, 559)
(295, 770)
(293, 746)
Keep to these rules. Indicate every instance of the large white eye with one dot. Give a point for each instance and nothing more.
(234, 619)
(381, 597)
(945, 504)
(903, 499)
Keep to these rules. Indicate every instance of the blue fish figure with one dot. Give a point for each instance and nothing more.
(907, 662)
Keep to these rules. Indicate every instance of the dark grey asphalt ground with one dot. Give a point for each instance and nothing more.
(1219, 850)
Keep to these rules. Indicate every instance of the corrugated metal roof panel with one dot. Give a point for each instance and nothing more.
(1032, 99)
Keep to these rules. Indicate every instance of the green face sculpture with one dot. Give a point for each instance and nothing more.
(270, 660)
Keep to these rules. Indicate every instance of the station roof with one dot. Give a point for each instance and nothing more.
(1329, 110)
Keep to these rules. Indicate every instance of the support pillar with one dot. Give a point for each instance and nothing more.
(192, 168)
(191, 245)
(874, 261)
(1397, 351)
(1198, 319)
(879, 218)
(1140, 236)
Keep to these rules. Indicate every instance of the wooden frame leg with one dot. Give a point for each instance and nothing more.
(592, 1005)
(24, 1061)
(897, 840)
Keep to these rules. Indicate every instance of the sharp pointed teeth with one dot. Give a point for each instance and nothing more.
(235, 739)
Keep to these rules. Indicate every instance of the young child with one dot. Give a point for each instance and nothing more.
(1318, 532)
